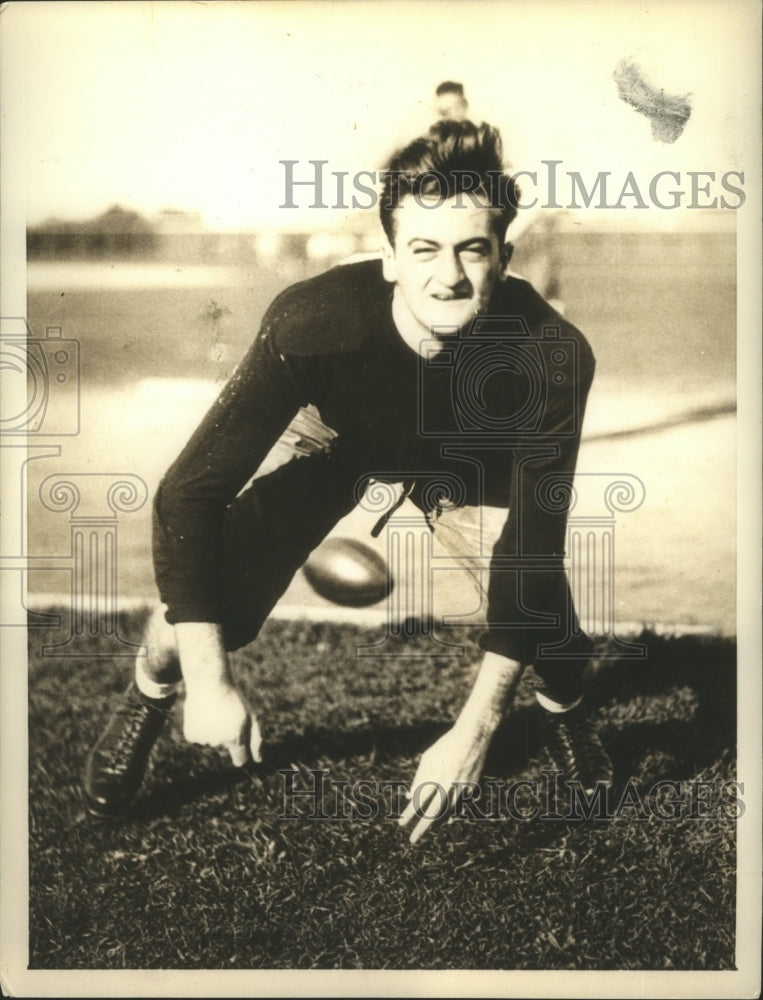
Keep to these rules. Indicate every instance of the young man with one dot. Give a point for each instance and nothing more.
(429, 363)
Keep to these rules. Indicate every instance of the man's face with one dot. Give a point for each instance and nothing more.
(452, 106)
(445, 262)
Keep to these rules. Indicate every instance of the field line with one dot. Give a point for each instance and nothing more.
(377, 617)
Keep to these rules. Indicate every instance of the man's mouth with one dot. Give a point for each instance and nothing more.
(458, 297)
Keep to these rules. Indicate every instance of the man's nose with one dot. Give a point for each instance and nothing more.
(450, 272)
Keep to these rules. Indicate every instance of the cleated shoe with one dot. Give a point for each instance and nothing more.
(118, 761)
(575, 748)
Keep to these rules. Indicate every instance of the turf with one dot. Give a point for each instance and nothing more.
(206, 873)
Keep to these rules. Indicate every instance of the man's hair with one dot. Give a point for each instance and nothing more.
(453, 158)
(449, 87)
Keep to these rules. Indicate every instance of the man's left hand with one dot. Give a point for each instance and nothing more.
(450, 766)
(455, 762)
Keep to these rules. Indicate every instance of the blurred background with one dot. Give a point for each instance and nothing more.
(157, 236)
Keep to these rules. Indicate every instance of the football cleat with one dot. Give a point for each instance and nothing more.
(575, 749)
(117, 763)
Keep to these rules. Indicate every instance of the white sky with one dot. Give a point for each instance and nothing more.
(191, 105)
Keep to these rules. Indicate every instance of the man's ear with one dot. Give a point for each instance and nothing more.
(507, 252)
(389, 264)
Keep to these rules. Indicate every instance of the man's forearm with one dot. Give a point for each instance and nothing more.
(493, 689)
(202, 652)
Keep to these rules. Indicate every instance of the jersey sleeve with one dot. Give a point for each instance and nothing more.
(223, 454)
(530, 610)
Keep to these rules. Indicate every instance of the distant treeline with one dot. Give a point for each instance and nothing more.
(169, 236)
(117, 232)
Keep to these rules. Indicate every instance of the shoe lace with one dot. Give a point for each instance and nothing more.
(138, 718)
(572, 738)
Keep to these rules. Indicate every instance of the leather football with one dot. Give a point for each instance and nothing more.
(346, 571)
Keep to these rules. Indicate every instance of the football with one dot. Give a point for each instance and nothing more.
(348, 572)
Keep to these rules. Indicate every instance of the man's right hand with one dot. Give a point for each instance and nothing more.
(215, 713)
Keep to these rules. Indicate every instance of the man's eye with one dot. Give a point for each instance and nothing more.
(426, 252)
(474, 253)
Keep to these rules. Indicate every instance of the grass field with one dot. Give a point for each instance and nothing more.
(207, 874)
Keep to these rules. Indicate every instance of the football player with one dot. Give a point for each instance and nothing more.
(431, 361)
